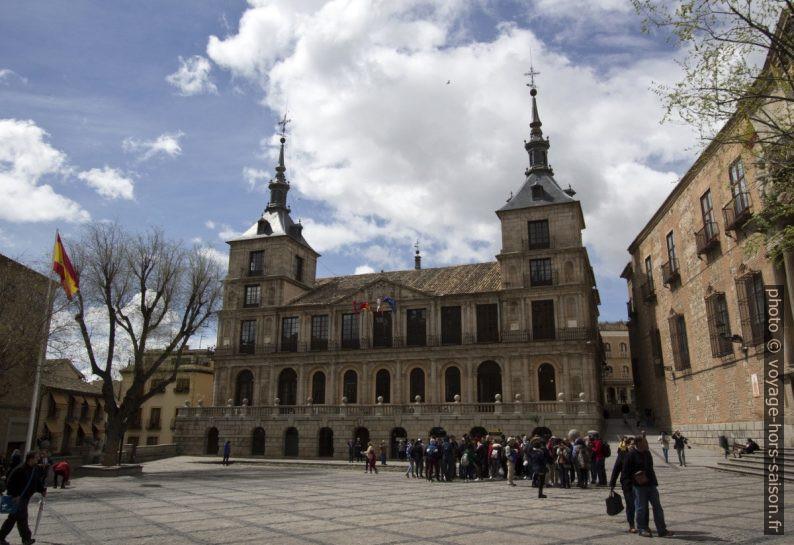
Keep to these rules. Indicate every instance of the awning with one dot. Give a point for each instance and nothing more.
(60, 398)
(91, 401)
(86, 429)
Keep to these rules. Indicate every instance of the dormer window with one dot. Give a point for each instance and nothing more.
(537, 192)
(263, 227)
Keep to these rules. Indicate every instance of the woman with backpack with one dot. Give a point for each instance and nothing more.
(562, 455)
(582, 459)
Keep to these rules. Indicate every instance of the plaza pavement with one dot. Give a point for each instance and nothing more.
(195, 500)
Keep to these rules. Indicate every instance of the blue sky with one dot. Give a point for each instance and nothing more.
(163, 113)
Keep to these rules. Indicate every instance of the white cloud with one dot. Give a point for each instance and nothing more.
(363, 269)
(166, 144)
(193, 76)
(209, 224)
(108, 182)
(397, 154)
(25, 159)
(253, 176)
(221, 258)
(8, 76)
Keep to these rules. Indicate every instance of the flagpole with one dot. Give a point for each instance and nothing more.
(39, 364)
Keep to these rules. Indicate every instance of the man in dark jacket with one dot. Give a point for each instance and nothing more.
(619, 470)
(539, 461)
(639, 464)
(23, 482)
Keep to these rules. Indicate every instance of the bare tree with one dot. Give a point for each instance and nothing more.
(148, 293)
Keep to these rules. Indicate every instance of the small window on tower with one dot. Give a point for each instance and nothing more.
(263, 227)
(298, 268)
(537, 192)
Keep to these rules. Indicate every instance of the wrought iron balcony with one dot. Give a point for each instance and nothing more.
(708, 237)
(737, 211)
(670, 272)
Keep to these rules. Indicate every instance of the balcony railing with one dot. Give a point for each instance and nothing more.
(388, 409)
(737, 211)
(708, 237)
(670, 272)
(540, 280)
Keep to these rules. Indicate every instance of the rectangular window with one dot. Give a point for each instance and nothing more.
(135, 423)
(719, 326)
(252, 296)
(543, 320)
(289, 334)
(133, 440)
(450, 325)
(540, 272)
(382, 330)
(416, 327)
(319, 333)
(707, 209)
(182, 385)
(298, 268)
(738, 181)
(539, 235)
(247, 336)
(649, 271)
(487, 323)
(671, 252)
(350, 337)
(154, 418)
(750, 294)
(256, 263)
(152, 440)
(679, 342)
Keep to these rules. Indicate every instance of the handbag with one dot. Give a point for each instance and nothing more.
(640, 478)
(614, 504)
(9, 505)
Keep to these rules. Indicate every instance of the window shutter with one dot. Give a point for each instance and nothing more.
(714, 334)
(744, 306)
(675, 341)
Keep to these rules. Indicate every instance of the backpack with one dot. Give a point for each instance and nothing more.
(583, 456)
(464, 461)
(431, 451)
(562, 456)
(606, 450)
(495, 454)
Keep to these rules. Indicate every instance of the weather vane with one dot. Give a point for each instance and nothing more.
(283, 125)
(532, 73)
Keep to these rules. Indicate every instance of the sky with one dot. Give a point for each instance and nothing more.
(407, 123)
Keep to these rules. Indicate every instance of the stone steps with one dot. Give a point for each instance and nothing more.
(753, 464)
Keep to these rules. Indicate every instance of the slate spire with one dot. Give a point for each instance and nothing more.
(279, 186)
(537, 147)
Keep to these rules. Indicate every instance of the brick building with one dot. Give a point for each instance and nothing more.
(618, 378)
(305, 364)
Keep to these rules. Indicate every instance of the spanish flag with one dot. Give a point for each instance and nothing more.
(63, 267)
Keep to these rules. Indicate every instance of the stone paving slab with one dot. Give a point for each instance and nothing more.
(200, 503)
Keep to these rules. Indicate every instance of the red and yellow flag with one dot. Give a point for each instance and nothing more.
(63, 268)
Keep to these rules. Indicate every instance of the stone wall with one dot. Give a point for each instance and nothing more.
(147, 453)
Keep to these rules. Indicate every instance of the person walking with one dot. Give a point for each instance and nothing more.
(23, 482)
(383, 453)
(620, 471)
(664, 440)
(411, 472)
(680, 443)
(639, 464)
(419, 457)
(371, 459)
(227, 451)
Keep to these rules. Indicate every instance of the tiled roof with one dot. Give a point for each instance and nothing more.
(460, 279)
(552, 193)
(54, 377)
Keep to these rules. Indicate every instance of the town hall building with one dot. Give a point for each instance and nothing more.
(305, 364)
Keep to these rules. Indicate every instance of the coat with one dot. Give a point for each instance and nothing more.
(641, 461)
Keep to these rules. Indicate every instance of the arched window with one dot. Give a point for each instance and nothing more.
(451, 383)
(244, 387)
(318, 388)
(417, 384)
(489, 381)
(607, 347)
(547, 389)
(383, 385)
(288, 386)
(625, 371)
(350, 386)
(623, 348)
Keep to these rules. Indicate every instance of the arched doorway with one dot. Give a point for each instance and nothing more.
(451, 384)
(610, 395)
(258, 442)
(244, 387)
(291, 442)
(288, 387)
(326, 443)
(397, 446)
(383, 385)
(489, 381)
(541, 431)
(437, 432)
(547, 387)
(212, 441)
(417, 382)
(318, 388)
(363, 435)
(350, 386)
(478, 431)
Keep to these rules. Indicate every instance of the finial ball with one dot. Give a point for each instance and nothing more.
(283, 139)
(533, 92)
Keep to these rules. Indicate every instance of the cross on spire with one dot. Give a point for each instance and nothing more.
(283, 124)
(531, 74)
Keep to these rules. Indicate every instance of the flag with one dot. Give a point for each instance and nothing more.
(391, 302)
(63, 268)
(364, 306)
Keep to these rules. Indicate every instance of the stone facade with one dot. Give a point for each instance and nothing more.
(618, 379)
(696, 341)
(303, 364)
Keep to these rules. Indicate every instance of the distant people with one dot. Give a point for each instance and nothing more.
(359, 449)
(664, 441)
(724, 446)
(62, 470)
(748, 448)
(16, 458)
(370, 459)
(539, 462)
(24, 481)
(639, 464)
(383, 449)
(411, 471)
(679, 444)
(351, 451)
(625, 410)
(227, 452)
